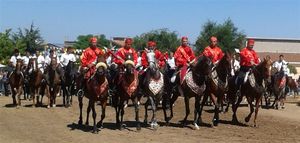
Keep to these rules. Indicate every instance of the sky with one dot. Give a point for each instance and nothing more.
(60, 20)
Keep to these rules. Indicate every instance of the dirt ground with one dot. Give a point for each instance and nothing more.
(55, 125)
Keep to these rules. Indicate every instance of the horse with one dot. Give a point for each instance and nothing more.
(153, 88)
(193, 85)
(52, 82)
(253, 89)
(35, 80)
(126, 88)
(68, 84)
(96, 90)
(16, 81)
(293, 85)
(217, 85)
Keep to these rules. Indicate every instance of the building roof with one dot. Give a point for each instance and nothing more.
(297, 40)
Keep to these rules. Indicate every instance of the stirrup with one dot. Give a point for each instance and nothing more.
(80, 93)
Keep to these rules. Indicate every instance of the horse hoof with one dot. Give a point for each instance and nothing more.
(54, 105)
(145, 121)
(196, 126)
(80, 122)
(86, 123)
(138, 127)
(215, 122)
(247, 119)
(100, 125)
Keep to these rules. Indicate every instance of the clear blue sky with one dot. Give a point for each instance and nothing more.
(61, 20)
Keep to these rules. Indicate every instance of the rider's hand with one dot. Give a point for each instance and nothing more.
(90, 65)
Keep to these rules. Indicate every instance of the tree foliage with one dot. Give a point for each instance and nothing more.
(166, 40)
(83, 41)
(28, 39)
(6, 46)
(229, 38)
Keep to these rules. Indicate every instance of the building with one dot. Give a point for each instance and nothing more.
(274, 47)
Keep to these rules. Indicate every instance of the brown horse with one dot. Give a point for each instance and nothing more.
(193, 85)
(16, 81)
(293, 85)
(253, 89)
(96, 90)
(52, 82)
(279, 86)
(127, 88)
(35, 80)
(217, 85)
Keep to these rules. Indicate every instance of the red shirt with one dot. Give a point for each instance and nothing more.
(183, 55)
(89, 56)
(122, 52)
(158, 56)
(215, 54)
(247, 56)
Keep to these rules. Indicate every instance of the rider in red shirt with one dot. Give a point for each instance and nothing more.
(184, 54)
(89, 58)
(157, 54)
(213, 51)
(248, 59)
(120, 54)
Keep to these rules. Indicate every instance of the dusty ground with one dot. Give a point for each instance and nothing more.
(42, 125)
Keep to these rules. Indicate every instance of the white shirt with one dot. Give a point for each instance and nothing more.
(65, 58)
(41, 61)
(13, 59)
(236, 65)
(139, 61)
(281, 65)
(26, 60)
(171, 63)
(108, 60)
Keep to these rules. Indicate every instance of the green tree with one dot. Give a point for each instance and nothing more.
(165, 39)
(6, 46)
(229, 37)
(83, 41)
(28, 39)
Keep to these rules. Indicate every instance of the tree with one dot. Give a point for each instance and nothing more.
(28, 39)
(229, 38)
(6, 46)
(83, 41)
(165, 40)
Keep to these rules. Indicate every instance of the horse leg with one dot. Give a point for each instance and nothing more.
(197, 111)
(92, 104)
(80, 109)
(146, 111)
(250, 100)
(205, 97)
(55, 90)
(88, 112)
(187, 110)
(103, 106)
(14, 96)
(256, 109)
(153, 120)
(64, 95)
(19, 95)
(137, 119)
(121, 108)
(234, 109)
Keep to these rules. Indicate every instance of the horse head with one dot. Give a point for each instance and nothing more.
(101, 69)
(19, 66)
(225, 66)
(33, 64)
(264, 68)
(153, 66)
(129, 64)
(202, 68)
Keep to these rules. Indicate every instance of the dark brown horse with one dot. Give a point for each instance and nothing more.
(253, 89)
(279, 86)
(68, 85)
(35, 80)
(16, 81)
(152, 85)
(96, 90)
(127, 88)
(193, 85)
(217, 85)
(52, 82)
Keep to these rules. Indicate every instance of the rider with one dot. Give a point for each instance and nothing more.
(184, 56)
(65, 58)
(213, 51)
(120, 54)
(89, 60)
(248, 59)
(281, 67)
(159, 57)
(13, 61)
